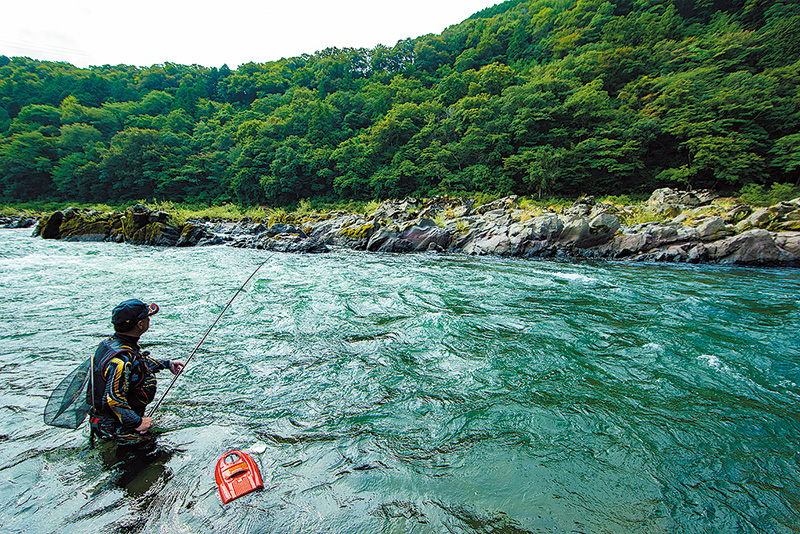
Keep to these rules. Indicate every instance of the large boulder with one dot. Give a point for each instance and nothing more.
(499, 204)
(344, 229)
(754, 247)
(396, 210)
(75, 225)
(194, 234)
(758, 219)
(381, 236)
(625, 245)
(576, 230)
(138, 225)
(667, 195)
(582, 233)
(712, 229)
(541, 230)
(789, 241)
(604, 224)
(395, 244)
(426, 235)
(49, 225)
(142, 226)
(489, 243)
(293, 243)
(649, 236)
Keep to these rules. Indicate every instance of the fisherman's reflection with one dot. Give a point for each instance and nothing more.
(136, 468)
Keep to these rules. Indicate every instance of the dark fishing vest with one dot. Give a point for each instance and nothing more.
(138, 394)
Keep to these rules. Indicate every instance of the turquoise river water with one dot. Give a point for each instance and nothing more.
(410, 393)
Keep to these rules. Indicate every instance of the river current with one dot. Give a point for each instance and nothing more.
(410, 393)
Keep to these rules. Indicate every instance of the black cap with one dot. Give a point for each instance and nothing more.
(127, 313)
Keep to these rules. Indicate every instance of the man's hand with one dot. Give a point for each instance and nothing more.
(175, 368)
(145, 426)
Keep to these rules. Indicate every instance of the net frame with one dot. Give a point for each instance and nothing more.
(67, 406)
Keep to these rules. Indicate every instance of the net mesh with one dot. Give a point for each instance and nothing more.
(66, 407)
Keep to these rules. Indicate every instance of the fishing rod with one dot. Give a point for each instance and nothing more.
(175, 378)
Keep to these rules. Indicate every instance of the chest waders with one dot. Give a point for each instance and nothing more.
(96, 392)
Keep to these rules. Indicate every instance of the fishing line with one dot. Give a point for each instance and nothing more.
(185, 365)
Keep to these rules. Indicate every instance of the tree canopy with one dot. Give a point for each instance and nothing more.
(537, 97)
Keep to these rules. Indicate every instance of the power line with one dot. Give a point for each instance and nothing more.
(44, 51)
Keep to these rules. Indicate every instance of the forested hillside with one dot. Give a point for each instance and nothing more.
(539, 97)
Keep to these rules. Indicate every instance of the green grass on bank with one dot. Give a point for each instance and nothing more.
(234, 212)
(758, 195)
(752, 194)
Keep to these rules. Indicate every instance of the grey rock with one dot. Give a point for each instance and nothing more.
(605, 223)
(737, 214)
(424, 234)
(683, 198)
(380, 237)
(395, 244)
(698, 254)
(489, 243)
(629, 244)
(758, 219)
(576, 229)
(754, 247)
(544, 228)
(501, 204)
(790, 242)
(583, 234)
(581, 207)
(710, 228)
(280, 228)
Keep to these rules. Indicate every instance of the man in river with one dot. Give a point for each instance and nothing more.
(122, 380)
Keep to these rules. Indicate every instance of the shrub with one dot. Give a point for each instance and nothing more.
(757, 195)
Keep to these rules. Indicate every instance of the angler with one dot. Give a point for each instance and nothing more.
(122, 381)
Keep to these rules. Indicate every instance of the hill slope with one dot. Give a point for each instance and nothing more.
(540, 97)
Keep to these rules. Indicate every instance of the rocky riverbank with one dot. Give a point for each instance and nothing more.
(18, 221)
(672, 226)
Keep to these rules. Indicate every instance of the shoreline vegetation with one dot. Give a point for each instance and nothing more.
(752, 195)
(670, 226)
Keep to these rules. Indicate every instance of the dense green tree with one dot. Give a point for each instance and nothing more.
(26, 162)
(77, 137)
(540, 97)
(130, 166)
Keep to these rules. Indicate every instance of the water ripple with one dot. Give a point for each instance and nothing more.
(412, 393)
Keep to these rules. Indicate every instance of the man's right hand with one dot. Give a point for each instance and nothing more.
(145, 426)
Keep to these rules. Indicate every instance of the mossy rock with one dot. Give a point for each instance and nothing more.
(49, 226)
(85, 229)
(128, 225)
(187, 229)
(147, 235)
(358, 232)
(115, 232)
(281, 218)
(785, 226)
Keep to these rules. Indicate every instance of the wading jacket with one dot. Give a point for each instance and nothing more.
(123, 382)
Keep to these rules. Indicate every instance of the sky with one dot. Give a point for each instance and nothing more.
(232, 32)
